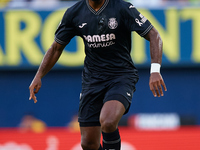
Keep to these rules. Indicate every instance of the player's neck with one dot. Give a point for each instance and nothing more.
(96, 5)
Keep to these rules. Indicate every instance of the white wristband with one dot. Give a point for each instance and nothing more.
(155, 67)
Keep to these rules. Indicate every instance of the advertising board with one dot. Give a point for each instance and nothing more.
(64, 139)
(26, 34)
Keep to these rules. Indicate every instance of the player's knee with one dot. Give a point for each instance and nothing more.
(108, 125)
(89, 145)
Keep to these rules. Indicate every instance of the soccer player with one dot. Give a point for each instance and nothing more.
(109, 75)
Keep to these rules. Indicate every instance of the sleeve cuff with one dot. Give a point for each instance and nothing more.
(146, 31)
(60, 41)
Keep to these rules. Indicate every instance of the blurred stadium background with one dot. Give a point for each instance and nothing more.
(168, 123)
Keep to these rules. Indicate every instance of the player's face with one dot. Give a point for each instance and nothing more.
(96, 0)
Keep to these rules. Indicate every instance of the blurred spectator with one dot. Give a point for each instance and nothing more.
(41, 3)
(183, 1)
(18, 3)
(162, 2)
(146, 3)
(31, 123)
(4, 3)
(69, 0)
(54, 3)
(194, 1)
(180, 1)
(34, 3)
(74, 125)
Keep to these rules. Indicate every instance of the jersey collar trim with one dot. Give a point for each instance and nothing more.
(100, 10)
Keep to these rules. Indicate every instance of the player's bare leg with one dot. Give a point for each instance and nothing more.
(111, 113)
(90, 137)
(110, 116)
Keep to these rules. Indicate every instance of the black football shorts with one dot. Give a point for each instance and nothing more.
(97, 91)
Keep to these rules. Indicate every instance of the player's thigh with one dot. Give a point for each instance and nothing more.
(90, 135)
(111, 113)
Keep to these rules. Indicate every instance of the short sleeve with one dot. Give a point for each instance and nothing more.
(135, 21)
(65, 31)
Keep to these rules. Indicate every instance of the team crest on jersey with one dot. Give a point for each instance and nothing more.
(112, 23)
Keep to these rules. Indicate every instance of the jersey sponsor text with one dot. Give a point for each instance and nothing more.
(96, 41)
(99, 38)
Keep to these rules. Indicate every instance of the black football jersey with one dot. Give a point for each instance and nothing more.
(106, 34)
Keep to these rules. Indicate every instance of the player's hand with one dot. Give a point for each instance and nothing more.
(156, 83)
(34, 88)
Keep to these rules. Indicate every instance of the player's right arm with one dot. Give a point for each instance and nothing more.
(64, 33)
(49, 60)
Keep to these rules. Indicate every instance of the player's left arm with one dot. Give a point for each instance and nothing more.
(156, 81)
